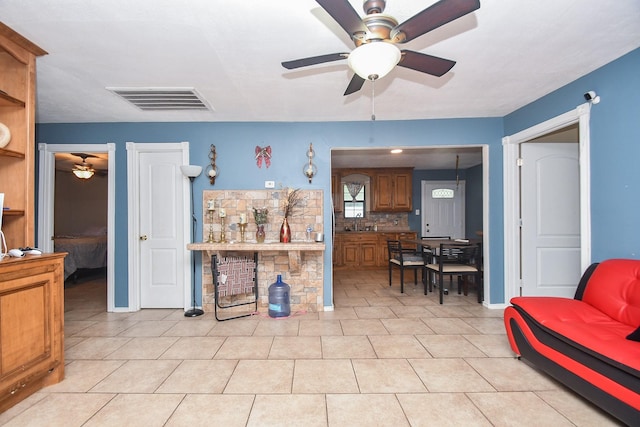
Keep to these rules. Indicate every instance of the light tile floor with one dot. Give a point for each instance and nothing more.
(381, 358)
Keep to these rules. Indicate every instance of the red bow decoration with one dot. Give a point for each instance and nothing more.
(263, 153)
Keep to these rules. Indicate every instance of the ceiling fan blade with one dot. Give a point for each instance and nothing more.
(431, 18)
(83, 155)
(304, 62)
(345, 15)
(354, 85)
(425, 63)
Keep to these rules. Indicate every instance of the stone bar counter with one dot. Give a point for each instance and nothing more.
(300, 262)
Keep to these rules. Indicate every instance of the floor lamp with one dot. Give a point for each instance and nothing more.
(191, 172)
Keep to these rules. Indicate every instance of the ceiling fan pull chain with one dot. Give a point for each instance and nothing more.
(373, 100)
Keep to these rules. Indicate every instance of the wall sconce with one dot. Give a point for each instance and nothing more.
(309, 169)
(212, 169)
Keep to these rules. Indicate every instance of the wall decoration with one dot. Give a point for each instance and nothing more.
(263, 153)
(212, 169)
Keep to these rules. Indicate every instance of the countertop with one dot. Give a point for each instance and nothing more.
(253, 246)
(395, 230)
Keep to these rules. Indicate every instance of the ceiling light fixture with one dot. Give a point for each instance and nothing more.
(83, 173)
(374, 60)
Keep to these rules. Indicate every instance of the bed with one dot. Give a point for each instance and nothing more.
(84, 252)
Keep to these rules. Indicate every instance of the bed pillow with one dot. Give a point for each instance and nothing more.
(95, 231)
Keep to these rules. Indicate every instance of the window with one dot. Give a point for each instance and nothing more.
(353, 209)
(442, 193)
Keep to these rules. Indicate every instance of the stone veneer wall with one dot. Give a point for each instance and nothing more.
(307, 283)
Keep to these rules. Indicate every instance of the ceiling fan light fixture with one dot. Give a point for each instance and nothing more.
(374, 60)
(83, 173)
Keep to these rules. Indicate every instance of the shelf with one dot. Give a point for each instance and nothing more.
(11, 153)
(7, 100)
(293, 249)
(12, 212)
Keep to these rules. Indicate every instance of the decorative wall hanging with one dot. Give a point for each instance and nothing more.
(263, 153)
(212, 169)
(309, 169)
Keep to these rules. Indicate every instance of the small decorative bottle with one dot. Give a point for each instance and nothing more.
(285, 231)
(260, 234)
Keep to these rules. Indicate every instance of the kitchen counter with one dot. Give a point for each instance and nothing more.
(395, 230)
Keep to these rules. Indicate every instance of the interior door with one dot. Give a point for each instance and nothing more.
(550, 218)
(443, 209)
(161, 233)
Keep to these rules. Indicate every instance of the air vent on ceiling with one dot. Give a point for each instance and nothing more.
(162, 99)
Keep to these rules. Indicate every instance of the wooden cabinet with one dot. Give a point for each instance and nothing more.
(17, 113)
(392, 190)
(31, 325)
(336, 191)
(359, 251)
(364, 250)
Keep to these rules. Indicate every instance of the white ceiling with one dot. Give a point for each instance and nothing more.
(509, 53)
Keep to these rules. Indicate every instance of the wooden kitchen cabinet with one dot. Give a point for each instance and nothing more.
(31, 325)
(359, 250)
(362, 250)
(392, 190)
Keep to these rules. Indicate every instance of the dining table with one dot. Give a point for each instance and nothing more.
(434, 243)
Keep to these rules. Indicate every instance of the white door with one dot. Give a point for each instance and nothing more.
(443, 209)
(550, 200)
(161, 229)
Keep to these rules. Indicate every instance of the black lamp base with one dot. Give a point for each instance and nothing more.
(194, 312)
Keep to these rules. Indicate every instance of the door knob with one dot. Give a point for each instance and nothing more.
(143, 237)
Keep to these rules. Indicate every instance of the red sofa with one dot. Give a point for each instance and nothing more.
(590, 343)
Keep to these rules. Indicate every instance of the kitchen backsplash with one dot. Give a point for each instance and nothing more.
(385, 220)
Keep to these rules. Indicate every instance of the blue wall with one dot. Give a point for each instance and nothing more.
(235, 144)
(615, 150)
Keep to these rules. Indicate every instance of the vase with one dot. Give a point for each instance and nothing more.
(285, 231)
(260, 233)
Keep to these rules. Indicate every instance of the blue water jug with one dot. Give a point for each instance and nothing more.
(279, 305)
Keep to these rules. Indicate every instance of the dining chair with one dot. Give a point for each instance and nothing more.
(405, 258)
(456, 259)
(430, 251)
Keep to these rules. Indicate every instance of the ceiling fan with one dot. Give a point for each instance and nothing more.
(83, 170)
(377, 34)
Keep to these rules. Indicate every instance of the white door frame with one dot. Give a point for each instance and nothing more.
(511, 149)
(46, 193)
(133, 218)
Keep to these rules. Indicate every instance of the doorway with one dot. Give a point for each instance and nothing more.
(46, 201)
(420, 158)
(513, 252)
